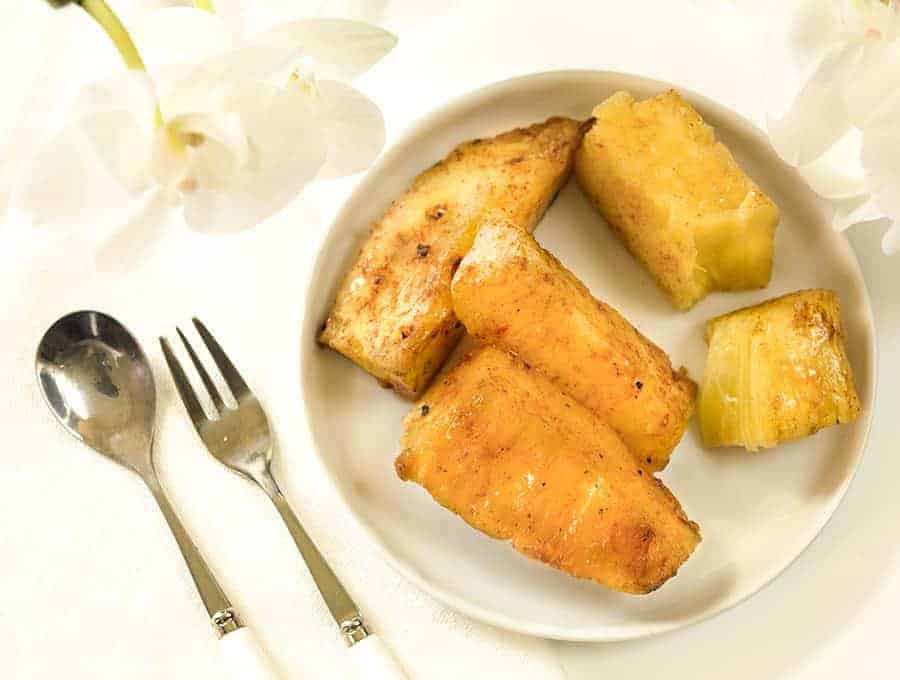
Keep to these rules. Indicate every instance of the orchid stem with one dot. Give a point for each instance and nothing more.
(110, 23)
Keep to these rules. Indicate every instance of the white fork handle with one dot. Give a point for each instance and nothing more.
(244, 657)
(374, 661)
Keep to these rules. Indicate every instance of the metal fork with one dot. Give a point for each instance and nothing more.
(240, 438)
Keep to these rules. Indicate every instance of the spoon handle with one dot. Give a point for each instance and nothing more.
(244, 658)
(214, 599)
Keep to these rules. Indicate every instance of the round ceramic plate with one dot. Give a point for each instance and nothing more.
(757, 512)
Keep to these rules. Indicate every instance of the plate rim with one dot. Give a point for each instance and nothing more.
(604, 633)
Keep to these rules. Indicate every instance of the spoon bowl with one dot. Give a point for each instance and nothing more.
(97, 381)
(99, 385)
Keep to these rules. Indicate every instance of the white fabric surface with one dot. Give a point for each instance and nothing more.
(91, 584)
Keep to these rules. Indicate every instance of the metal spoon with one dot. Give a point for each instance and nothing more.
(98, 383)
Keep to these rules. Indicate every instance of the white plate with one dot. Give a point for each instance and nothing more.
(757, 512)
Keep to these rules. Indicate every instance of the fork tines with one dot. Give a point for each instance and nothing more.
(232, 377)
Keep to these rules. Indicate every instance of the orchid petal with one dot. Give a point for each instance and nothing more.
(223, 130)
(818, 117)
(179, 35)
(815, 25)
(183, 92)
(881, 157)
(890, 243)
(341, 49)
(36, 79)
(872, 18)
(131, 92)
(134, 11)
(128, 246)
(838, 173)
(795, 48)
(287, 150)
(122, 146)
(248, 18)
(859, 210)
(70, 185)
(338, 49)
(210, 143)
(168, 164)
(235, 18)
(875, 77)
(361, 10)
(219, 151)
(354, 128)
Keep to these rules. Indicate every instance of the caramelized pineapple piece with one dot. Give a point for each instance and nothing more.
(510, 292)
(393, 315)
(676, 197)
(776, 371)
(497, 443)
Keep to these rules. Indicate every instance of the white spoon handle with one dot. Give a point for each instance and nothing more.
(244, 657)
(374, 661)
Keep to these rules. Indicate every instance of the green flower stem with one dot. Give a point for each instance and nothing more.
(110, 23)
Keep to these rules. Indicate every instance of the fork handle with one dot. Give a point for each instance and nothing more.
(371, 656)
(336, 597)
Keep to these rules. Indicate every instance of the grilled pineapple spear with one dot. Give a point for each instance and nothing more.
(494, 441)
(510, 292)
(776, 371)
(393, 314)
(676, 197)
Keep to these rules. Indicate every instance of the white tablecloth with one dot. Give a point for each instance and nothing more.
(90, 582)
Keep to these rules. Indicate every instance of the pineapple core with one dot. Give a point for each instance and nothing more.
(676, 197)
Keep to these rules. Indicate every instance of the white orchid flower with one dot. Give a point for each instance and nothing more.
(838, 122)
(228, 131)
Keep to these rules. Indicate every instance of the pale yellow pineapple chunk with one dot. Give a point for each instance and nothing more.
(676, 197)
(776, 371)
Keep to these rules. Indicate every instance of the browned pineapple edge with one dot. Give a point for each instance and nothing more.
(393, 315)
